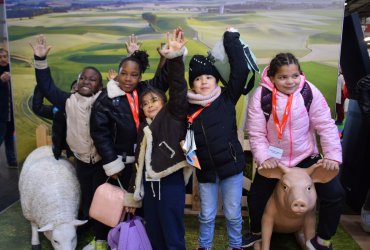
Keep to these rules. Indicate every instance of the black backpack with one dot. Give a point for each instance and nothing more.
(266, 99)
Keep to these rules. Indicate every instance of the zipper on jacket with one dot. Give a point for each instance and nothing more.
(233, 152)
(205, 138)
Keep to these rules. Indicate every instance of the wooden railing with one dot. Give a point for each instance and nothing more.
(192, 201)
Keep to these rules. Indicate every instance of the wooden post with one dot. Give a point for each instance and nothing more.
(42, 136)
(195, 205)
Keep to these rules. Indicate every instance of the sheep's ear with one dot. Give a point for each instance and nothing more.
(77, 223)
(48, 227)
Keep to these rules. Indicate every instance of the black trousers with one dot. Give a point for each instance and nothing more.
(330, 195)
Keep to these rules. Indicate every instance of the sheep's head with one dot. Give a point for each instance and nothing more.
(63, 236)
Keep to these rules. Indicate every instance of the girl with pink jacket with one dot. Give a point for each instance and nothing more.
(284, 115)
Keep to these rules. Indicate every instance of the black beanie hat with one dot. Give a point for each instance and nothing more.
(201, 65)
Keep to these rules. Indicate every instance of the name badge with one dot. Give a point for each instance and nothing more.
(275, 152)
(148, 178)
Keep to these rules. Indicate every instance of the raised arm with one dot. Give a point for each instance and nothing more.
(43, 75)
(160, 79)
(173, 51)
(238, 67)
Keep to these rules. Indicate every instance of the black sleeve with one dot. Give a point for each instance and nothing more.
(38, 105)
(100, 130)
(177, 104)
(51, 92)
(238, 67)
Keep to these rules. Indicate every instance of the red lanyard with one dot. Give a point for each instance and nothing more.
(192, 117)
(133, 100)
(280, 127)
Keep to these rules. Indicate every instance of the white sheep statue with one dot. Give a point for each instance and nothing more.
(50, 195)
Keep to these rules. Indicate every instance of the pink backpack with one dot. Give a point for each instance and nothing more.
(128, 235)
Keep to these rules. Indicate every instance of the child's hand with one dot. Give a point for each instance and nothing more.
(174, 42)
(132, 44)
(270, 163)
(40, 49)
(130, 210)
(159, 49)
(112, 74)
(329, 164)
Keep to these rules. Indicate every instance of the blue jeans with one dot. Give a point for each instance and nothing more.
(231, 191)
(7, 135)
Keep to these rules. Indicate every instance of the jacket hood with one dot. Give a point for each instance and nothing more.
(266, 82)
(114, 90)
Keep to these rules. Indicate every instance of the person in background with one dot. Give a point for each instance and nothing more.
(286, 137)
(212, 117)
(340, 98)
(7, 129)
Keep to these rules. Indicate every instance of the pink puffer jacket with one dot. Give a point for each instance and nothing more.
(298, 141)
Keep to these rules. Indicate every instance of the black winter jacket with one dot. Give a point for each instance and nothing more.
(112, 126)
(219, 152)
(6, 104)
(59, 125)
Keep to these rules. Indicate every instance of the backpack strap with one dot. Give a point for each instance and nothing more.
(266, 99)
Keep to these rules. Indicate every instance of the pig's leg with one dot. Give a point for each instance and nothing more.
(35, 241)
(309, 225)
(267, 226)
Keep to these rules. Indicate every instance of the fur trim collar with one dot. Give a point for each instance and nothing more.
(114, 90)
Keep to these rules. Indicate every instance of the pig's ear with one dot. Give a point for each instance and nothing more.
(320, 174)
(275, 173)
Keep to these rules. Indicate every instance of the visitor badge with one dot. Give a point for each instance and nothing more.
(275, 152)
(190, 148)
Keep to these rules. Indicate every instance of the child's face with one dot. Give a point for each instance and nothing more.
(3, 59)
(129, 76)
(204, 84)
(151, 105)
(88, 83)
(287, 79)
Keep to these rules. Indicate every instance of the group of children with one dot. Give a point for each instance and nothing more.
(129, 130)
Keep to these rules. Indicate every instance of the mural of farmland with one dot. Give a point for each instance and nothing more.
(84, 33)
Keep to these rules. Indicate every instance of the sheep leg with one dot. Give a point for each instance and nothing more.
(35, 241)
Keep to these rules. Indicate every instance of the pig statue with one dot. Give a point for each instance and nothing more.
(291, 207)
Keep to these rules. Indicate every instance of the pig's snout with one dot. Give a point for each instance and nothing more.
(299, 206)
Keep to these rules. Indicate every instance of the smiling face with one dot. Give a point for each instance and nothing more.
(151, 104)
(129, 76)
(204, 84)
(89, 82)
(287, 79)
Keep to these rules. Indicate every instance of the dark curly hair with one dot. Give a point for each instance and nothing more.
(140, 57)
(282, 59)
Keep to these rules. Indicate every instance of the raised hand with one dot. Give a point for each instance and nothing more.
(40, 48)
(132, 44)
(112, 74)
(175, 42)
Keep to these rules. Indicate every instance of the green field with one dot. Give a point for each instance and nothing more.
(96, 38)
